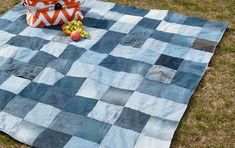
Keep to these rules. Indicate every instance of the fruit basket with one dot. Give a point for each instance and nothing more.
(41, 13)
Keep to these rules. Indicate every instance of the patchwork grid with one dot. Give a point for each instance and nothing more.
(127, 86)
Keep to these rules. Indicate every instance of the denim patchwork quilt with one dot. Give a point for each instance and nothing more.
(127, 86)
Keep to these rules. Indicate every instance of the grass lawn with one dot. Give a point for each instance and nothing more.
(210, 118)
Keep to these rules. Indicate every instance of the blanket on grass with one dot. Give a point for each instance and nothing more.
(126, 86)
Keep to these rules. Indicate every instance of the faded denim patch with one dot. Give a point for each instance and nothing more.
(28, 71)
(161, 73)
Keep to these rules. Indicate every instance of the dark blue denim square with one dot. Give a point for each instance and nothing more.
(4, 76)
(204, 45)
(80, 105)
(34, 43)
(15, 27)
(186, 80)
(72, 52)
(149, 23)
(151, 87)
(51, 138)
(107, 43)
(98, 23)
(129, 10)
(34, 91)
(117, 96)
(28, 71)
(11, 66)
(4, 23)
(132, 119)
(194, 21)
(55, 97)
(193, 67)
(141, 32)
(41, 59)
(165, 90)
(181, 40)
(22, 18)
(168, 61)
(6, 96)
(61, 65)
(84, 10)
(126, 65)
(69, 85)
(133, 40)
(93, 130)
(162, 36)
(177, 94)
(54, 27)
(19, 106)
(175, 18)
(67, 123)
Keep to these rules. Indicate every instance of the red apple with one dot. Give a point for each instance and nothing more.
(75, 36)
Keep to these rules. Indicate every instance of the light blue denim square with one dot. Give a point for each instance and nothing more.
(47, 34)
(176, 51)
(91, 57)
(198, 56)
(105, 112)
(122, 27)
(118, 137)
(5, 37)
(212, 35)
(92, 89)
(24, 54)
(190, 30)
(160, 128)
(127, 81)
(154, 45)
(19, 53)
(127, 52)
(2, 60)
(11, 15)
(111, 15)
(27, 132)
(42, 114)
(149, 56)
(95, 33)
(76, 142)
(103, 75)
(161, 73)
(156, 106)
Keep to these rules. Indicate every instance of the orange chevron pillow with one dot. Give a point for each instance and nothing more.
(41, 13)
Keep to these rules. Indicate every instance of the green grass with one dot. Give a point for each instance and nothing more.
(209, 120)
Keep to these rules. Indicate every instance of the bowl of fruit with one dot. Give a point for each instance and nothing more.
(75, 29)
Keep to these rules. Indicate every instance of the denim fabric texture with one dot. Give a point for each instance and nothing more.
(126, 86)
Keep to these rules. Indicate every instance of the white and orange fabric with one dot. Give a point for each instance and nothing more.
(41, 13)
